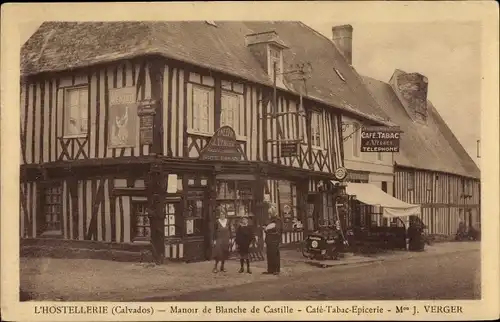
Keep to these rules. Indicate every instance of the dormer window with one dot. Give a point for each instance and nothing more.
(268, 48)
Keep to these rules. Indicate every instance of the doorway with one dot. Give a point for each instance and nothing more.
(236, 196)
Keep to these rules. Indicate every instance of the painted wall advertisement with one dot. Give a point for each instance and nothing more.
(122, 117)
(380, 139)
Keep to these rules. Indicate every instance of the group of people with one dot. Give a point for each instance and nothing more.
(243, 239)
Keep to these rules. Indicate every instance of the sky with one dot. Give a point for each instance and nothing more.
(448, 53)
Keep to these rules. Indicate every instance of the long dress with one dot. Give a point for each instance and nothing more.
(273, 238)
(222, 235)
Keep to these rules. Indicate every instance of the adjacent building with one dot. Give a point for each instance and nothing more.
(432, 169)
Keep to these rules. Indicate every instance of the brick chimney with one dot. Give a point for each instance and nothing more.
(411, 89)
(342, 38)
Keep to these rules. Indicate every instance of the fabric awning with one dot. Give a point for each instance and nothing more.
(372, 195)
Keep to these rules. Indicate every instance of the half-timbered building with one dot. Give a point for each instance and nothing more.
(138, 133)
(432, 168)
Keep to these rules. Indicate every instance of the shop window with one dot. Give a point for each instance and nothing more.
(234, 198)
(288, 204)
(170, 220)
(141, 228)
(194, 219)
(53, 209)
(76, 111)
(329, 214)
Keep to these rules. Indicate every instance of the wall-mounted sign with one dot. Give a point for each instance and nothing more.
(222, 146)
(340, 173)
(288, 149)
(380, 139)
(122, 117)
(146, 112)
(358, 176)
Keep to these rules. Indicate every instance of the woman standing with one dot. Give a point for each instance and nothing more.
(244, 237)
(273, 238)
(221, 241)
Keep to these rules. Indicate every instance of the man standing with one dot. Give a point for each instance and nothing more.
(273, 238)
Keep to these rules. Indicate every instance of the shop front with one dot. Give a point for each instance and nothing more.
(364, 228)
(222, 180)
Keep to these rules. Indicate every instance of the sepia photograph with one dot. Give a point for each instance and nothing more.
(249, 160)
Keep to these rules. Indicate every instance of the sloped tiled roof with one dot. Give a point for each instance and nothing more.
(431, 146)
(58, 46)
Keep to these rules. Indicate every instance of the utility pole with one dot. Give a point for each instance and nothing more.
(303, 71)
(299, 72)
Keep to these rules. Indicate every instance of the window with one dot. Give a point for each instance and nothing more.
(170, 220)
(411, 180)
(316, 128)
(288, 203)
(76, 111)
(195, 204)
(356, 140)
(384, 186)
(141, 228)
(275, 58)
(53, 208)
(230, 111)
(235, 199)
(202, 110)
(329, 210)
(379, 156)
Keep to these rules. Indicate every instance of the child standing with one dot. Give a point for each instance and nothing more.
(244, 237)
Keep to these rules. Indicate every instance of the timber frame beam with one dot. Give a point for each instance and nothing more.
(105, 166)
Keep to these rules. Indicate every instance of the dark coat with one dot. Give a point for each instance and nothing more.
(273, 236)
(221, 238)
(244, 237)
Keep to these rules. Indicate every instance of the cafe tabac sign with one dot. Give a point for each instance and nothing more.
(380, 139)
(222, 147)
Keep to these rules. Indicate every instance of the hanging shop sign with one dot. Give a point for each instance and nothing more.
(380, 139)
(222, 147)
(146, 114)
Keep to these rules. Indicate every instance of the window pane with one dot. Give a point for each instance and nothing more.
(201, 109)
